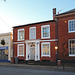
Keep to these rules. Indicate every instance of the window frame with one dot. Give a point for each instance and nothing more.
(42, 49)
(35, 32)
(68, 26)
(18, 34)
(69, 47)
(43, 26)
(18, 50)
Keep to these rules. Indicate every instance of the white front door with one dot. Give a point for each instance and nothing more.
(32, 52)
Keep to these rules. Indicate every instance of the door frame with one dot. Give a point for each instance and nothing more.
(31, 51)
(37, 49)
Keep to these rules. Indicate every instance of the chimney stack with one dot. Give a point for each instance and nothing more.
(54, 13)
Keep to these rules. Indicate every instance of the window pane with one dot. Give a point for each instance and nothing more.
(32, 33)
(45, 31)
(21, 49)
(21, 34)
(45, 49)
(72, 46)
(72, 25)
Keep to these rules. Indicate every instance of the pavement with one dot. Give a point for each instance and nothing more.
(40, 67)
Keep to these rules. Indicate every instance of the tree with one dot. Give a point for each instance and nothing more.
(3, 42)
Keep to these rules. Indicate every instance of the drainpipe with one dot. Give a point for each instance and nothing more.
(57, 34)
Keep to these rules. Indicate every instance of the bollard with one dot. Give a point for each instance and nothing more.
(58, 62)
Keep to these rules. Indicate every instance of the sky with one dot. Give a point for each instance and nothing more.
(20, 12)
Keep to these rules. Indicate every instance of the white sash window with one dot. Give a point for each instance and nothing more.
(45, 31)
(45, 47)
(20, 34)
(71, 25)
(20, 49)
(32, 33)
(72, 47)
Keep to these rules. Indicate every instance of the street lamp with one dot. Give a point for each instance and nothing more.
(56, 48)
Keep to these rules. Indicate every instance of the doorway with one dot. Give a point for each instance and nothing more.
(32, 52)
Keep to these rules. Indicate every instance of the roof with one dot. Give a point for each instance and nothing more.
(6, 34)
(70, 11)
(34, 23)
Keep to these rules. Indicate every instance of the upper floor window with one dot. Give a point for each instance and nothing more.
(72, 47)
(45, 31)
(32, 33)
(45, 47)
(20, 34)
(71, 25)
(20, 49)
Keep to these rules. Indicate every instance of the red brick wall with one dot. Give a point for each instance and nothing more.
(64, 36)
(38, 31)
(52, 57)
(38, 36)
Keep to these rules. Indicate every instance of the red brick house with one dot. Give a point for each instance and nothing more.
(37, 41)
(66, 34)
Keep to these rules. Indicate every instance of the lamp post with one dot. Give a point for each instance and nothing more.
(56, 48)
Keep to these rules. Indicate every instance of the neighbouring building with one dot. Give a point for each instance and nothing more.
(66, 35)
(6, 50)
(38, 41)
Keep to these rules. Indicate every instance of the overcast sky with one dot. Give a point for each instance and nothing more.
(19, 12)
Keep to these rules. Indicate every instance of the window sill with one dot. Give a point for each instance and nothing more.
(45, 37)
(72, 55)
(71, 32)
(45, 56)
(20, 55)
(21, 40)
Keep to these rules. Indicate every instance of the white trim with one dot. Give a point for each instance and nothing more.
(69, 47)
(18, 50)
(32, 41)
(71, 20)
(42, 31)
(38, 51)
(68, 26)
(32, 27)
(37, 40)
(18, 42)
(72, 55)
(71, 31)
(42, 50)
(50, 40)
(18, 34)
(27, 51)
(35, 32)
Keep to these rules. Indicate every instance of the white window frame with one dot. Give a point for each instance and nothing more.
(42, 31)
(42, 49)
(18, 34)
(18, 50)
(35, 32)
(68, 26)
(69, 47)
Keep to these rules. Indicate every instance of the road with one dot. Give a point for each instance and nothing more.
(30, 71)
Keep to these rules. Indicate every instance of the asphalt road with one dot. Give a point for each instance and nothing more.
(29, 71)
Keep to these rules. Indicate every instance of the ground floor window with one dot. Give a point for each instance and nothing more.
(45, 49)
(20, 49)
(4, 53)
(72, 47)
